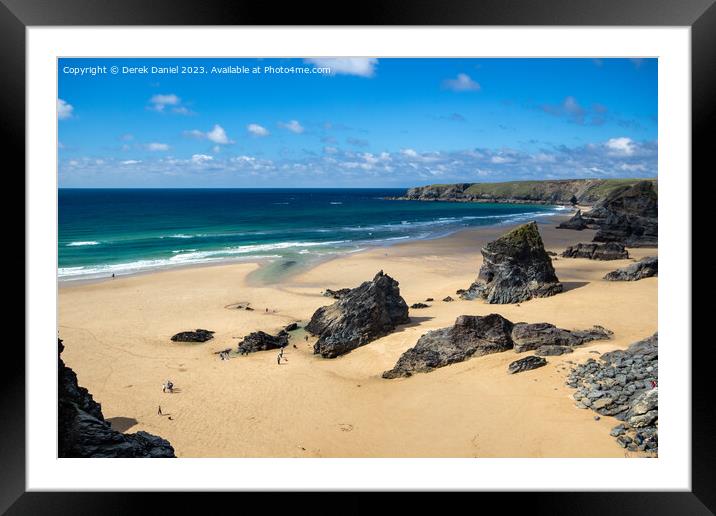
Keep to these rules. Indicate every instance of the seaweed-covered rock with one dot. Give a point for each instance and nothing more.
(515, 268)
(470, 336)
(594, 251)
(526, 364)
(197, 335)
(364, 314)
(528, 337)
(644, 268)
(261, 341)
(83, 431)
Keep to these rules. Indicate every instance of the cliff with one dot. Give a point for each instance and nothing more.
(564, 191)
(83, 431)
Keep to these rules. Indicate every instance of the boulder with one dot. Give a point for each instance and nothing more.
(515, 268)
(528, 337)
(83, 432)
(197, 335)
(448, 299)
(549, 350)
(525, 364)
(577, 222)
(336, 294)
(261, 341)
(291, 327)
(593, 251)
(419, 305)
(644, 268)
(470, 336)
(364, 314)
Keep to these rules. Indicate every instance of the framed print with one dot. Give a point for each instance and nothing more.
(416, 250)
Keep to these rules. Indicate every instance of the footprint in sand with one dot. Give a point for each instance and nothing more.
(345, 427)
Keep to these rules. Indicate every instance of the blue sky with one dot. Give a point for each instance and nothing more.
(354, 122)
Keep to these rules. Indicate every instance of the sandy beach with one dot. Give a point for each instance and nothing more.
(117, 337)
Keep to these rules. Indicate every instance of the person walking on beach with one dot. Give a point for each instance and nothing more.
(159, 411)
(279, 357)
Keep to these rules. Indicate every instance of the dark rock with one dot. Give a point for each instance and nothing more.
(576, 222)
(644, 268)
(429, 299)
(83, 431)
(364, 314)
(592, 251)
(448, 299)
(291, 327)
(551, 350)
(336, 294)
(515, 268)
(528, 337)
(419, 305)
(261, 341)
(628, 215)
(197, 335)
(470, 336)
(525, 364)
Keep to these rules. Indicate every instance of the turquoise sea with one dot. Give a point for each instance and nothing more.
(124, 231)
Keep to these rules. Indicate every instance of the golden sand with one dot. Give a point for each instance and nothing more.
(117, 335)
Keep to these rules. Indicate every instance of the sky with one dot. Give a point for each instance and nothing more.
(352, 122)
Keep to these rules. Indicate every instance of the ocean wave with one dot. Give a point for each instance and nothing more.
(78, 244)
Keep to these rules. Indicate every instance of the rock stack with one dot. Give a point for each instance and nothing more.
(515, 268)
(592, 251)
(645, 268)
(362, 315)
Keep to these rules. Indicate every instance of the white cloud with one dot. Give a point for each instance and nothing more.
(257, 130)
(201, 158)
(131, 162)
(360, 66)
(218, 135)
(463, 82)
(622, 146)
(64, 110)
(294, 126)
(159, 102)
(154, 146)
(409, 153)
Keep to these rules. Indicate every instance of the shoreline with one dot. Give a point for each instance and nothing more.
(263, 263)
(116, 337)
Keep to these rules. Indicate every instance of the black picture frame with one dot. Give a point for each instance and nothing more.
(699, 15)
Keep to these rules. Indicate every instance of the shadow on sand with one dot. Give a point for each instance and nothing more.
(122, 424)
(572, 285)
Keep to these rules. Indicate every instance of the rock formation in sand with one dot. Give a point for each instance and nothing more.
(261, 341)
(515, 268)
(83, 431)
(530, 337)
(576, 222)
(593, 251)
(197, 335)
(644, 268)
(526, 364)
(470, 336)
(364, 314)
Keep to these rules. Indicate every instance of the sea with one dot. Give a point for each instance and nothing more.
(127, 231)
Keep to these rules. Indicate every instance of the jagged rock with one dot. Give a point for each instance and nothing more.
(525, 364)
(592, 251)
(261, 341)
(291, 327)
(83, 431)
(576, 222)
(628, 214)
(470, 336)
(197, 335)
(528, 337)
(549, 350)
(364, 314)
(448, 299)
(336, 294)
(419, 305)
(515, 268)
(644, 268)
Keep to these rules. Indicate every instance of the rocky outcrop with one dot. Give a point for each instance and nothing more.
(470, 336)
(593, 251)
(566, 192)
(515, 268)
(644, 268)
(628, 214)
(577, 222)
(529, 337)
(526, 364)
(336, 294)
(623, 384)
(261, 341)
(197, 335)
(419, 305)
(364, 314)
(83, 431)
(551, 350)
